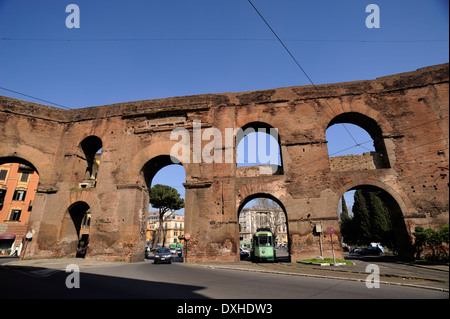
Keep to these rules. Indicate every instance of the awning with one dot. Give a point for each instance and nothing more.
(8, 236)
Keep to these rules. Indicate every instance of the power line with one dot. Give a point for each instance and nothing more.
(300, 67)
(284, 46)
(213, 39)
(16, 92)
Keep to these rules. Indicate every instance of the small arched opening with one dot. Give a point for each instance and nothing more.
(92, 149)
(355, 142)
(258, 144)
(75, 230)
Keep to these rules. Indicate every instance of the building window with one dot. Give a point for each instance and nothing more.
(15, 215)
(86, 222)
(19, 195)
(3, 173)
(24, 177)
(2, 197)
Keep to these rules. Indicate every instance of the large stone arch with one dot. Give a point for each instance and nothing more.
(34, 157)
(277, 201)
(398, 210)
(138, 161)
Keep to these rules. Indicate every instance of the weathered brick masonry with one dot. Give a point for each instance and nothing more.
(406, 115)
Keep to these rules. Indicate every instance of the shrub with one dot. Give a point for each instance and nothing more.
(434, 240)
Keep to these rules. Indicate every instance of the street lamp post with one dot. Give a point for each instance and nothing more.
(28, 238)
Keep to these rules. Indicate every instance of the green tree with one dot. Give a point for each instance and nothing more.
(433, 239)
(346, 224)
(344, 211)
(361, 219)
(444, 238)
(380, 221)
(371, 221)
(165, 198)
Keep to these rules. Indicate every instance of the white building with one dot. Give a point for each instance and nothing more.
(250, 219)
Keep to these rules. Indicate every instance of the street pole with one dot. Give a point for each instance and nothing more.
(330, 230)
(320, 243)
(187, 236)
(28, 238)
(332, 249)
(319, 231)
(185, 257)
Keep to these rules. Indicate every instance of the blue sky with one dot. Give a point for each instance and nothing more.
(144, 49)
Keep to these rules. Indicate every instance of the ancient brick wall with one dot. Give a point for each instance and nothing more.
(406, 115)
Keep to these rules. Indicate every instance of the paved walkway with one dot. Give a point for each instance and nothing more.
(394, 273)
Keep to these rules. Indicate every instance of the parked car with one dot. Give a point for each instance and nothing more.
(370, 251)
(173, 250)
(243, 254)
(163, 255)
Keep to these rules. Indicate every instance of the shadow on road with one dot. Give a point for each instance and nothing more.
(40, 283)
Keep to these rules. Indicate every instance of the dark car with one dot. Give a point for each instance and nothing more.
(163, 255)
(243, 254)
(370, 251)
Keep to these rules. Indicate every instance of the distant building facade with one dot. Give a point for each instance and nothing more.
(173, 226)
(250, 219)
(18, 184)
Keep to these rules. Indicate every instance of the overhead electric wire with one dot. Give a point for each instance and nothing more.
(210, 39)
(300, 67)
(36, 98)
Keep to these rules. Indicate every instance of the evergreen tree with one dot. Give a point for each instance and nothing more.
(371, 221)
(346, 223)
(380, 221)
(344, 213)
(361, 219)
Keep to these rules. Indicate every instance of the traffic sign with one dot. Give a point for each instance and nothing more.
(330, 230)
(187, 236)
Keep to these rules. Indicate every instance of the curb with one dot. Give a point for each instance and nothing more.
(323, 264)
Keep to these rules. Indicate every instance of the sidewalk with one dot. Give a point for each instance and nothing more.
(60, 263)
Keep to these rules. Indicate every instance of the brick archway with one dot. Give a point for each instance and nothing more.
(397, 208)
(410, 110)
(279, 203)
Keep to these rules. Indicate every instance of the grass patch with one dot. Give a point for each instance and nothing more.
(327, 261)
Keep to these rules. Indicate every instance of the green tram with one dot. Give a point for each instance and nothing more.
(263, 247)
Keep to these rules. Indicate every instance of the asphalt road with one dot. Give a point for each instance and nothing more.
(184, 281)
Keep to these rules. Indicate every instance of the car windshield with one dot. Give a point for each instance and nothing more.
(163, 251)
